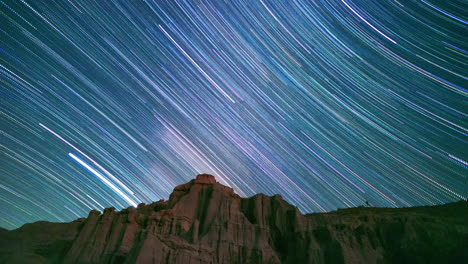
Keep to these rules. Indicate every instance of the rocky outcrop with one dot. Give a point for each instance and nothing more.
(206, 222)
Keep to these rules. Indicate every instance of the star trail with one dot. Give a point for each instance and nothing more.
(328, 103)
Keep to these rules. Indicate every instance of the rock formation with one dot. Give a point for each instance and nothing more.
(206, 222)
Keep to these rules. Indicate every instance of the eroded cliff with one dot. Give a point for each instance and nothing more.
(206, 222)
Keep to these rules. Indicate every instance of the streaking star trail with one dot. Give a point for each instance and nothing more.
(103, 179)
(332, 104)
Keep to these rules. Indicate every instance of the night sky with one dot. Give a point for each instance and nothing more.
(328, 103)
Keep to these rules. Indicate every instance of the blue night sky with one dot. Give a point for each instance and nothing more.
(330, 103)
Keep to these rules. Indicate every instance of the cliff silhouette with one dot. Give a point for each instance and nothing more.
(206, 222)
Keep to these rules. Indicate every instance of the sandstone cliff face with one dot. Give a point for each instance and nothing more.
(206, 222)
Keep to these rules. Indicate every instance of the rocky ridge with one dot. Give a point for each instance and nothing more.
(206, 222)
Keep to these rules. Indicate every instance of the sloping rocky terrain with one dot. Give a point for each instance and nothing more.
(206, 222)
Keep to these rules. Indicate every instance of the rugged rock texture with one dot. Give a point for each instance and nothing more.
(206, 222)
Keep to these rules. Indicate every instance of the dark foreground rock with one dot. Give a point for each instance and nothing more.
(206, 222)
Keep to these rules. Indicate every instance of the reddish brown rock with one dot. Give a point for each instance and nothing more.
(206, 222)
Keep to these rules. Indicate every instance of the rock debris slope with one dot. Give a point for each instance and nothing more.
(206, 222)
